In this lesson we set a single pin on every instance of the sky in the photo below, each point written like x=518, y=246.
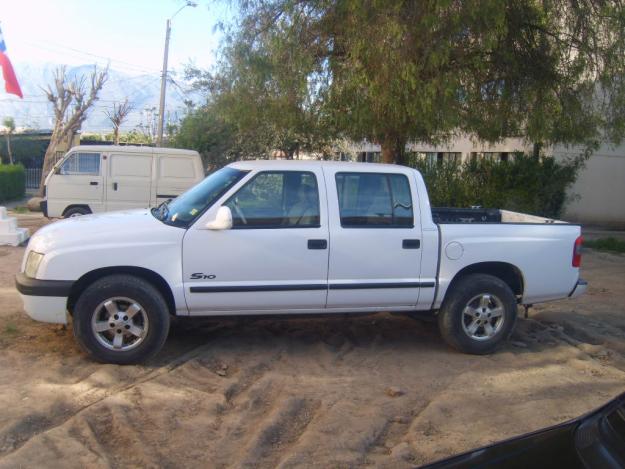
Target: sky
x=128, y=34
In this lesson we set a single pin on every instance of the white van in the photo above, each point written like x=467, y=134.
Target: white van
x=103, y=178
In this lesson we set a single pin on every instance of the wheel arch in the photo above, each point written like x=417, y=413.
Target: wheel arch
x=146, y=274
x=508, y=273
x=71, y=206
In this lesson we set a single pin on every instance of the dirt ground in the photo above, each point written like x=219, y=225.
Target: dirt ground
x=378, y=390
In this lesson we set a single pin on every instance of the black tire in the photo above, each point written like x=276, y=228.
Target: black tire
x=140, y=292
x=76, y=212
x=472, y=290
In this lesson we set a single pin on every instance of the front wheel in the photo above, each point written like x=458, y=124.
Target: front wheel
x=478, y=315
x=121, y=319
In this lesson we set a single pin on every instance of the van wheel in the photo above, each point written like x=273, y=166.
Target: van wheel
x=76, y=212
x=478, y=315
x=121, y=319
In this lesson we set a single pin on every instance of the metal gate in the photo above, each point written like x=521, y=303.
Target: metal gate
x=33, y=176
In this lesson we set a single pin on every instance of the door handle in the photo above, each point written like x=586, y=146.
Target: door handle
x=317, y=244
x=411, y=244
x=114, y=186
x=93, y=183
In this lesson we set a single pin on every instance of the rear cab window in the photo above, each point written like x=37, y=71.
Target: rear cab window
x=374, y=200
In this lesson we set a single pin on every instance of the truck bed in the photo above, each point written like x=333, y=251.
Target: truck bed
x=449, y=215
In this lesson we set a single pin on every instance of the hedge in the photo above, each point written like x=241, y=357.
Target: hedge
x=525, y=184
x=12, y=182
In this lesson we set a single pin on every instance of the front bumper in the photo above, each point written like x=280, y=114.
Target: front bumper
x=44, y=300
x=579, y=289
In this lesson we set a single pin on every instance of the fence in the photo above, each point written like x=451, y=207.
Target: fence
x=33, y=176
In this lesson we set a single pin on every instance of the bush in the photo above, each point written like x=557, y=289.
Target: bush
x=606, y=244
x=12, y=182
x=525, y=184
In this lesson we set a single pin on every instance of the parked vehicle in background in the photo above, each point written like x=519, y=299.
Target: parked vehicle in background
x=103, y=178
x=295, y=237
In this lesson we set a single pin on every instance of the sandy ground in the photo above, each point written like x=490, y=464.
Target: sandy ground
x=377, y=390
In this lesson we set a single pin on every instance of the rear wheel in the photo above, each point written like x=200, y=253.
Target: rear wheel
x=121, y=319
x=478, y=315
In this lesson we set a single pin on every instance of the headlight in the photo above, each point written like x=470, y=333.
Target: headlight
x=32, y=264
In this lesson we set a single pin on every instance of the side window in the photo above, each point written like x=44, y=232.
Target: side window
x=82, y=163
x=374, y=200
x=277, y=199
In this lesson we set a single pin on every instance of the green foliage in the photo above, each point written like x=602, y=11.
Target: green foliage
x=29, y=149
x=397, y=71
x=606, y=244
x=206, y=131
x=525, y=184
x=12, y=182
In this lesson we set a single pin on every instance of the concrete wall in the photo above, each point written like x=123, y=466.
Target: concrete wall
x=598, y=195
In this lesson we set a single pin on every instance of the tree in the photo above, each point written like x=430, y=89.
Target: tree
x=266, y=96
x=117, y=116
x=9, y=125
x=71, y=101
x=397, y=71
x=205, y=130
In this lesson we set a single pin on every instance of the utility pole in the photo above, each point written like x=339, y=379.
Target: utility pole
x=161, y=109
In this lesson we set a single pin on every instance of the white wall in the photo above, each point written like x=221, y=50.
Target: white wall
x=598, y=195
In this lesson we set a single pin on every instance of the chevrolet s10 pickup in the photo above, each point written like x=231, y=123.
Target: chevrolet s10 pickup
x=295, y=238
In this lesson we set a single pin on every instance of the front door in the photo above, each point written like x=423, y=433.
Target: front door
x=129, y=181
x=275, y=257
x=375, y=249
x=79, y=181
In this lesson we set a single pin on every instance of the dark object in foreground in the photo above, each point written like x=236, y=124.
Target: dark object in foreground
x=595, y=440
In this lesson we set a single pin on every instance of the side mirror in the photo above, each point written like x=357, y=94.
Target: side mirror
x=222, y=221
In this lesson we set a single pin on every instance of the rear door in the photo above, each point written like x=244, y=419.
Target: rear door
x=129, y=181
x=174, y=175
x=375, y=239
x=78, y=182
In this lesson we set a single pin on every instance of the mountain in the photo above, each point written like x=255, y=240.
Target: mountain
x=34, y=111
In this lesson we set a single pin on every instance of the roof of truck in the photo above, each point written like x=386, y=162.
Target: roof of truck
x=133, y=149
x=302, y=164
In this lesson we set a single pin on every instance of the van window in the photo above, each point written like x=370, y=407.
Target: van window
x=176, y=167
x=131, y=165
x=82, y=163
x=374, y=200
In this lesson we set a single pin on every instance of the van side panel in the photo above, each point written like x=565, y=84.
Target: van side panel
x=129, y=181
x=174, y=175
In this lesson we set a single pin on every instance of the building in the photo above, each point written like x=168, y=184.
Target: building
x=596, y=198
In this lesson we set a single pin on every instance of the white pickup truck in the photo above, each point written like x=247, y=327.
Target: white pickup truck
x=295, y=237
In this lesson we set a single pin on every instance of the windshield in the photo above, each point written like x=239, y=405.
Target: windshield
x=183, y=210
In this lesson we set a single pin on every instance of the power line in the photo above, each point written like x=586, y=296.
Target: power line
x=52, y=47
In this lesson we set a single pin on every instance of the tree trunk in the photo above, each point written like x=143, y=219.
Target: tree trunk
x=536, y=150
x=116, y=135
x=48, y=162
x=9, y=149
x=393, y=150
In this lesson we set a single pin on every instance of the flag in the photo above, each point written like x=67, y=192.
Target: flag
x=10, y=80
